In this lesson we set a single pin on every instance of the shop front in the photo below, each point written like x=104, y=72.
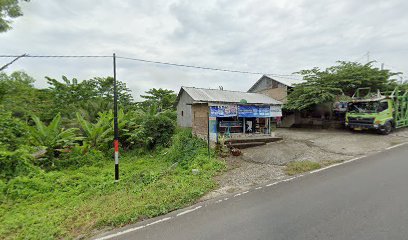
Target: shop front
x=242, y=120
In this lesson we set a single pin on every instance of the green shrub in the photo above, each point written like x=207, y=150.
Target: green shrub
x=2, y=191
x=155, y=131
x=170, y=114
x=12, y=131
x=23, y=187
x=16, y=163
x=186, y=147
x=129, y=135
x=78, y=157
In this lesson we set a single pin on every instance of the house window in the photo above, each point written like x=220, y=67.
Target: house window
x=182, y=113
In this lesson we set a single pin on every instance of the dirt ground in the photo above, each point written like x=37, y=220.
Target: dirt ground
x=263, y=164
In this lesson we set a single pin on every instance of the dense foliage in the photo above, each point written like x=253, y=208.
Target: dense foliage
x=56, y=178
x=158, y=99
x=72, y=203
x=9, y=9
x=322, y=86
x=72, y=116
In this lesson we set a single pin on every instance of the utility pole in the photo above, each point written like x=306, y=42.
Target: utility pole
x=208, y=133
x=382, y=66
x=115, y=121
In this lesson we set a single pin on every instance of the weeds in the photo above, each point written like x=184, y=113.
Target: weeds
x=294, y=168
x=72, y=203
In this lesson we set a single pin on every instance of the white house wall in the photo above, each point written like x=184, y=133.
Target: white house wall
x=184, y=114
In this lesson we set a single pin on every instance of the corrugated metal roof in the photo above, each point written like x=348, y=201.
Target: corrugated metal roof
x=216, y=95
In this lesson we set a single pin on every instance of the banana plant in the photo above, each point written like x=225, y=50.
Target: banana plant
x=53, y=138
x=96, y=135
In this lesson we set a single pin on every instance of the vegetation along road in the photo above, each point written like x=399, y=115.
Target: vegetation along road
x=363, y=199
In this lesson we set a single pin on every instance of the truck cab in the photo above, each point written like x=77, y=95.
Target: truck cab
x=375, y=113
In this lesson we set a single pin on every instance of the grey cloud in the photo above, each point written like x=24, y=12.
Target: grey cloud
x=254, y=35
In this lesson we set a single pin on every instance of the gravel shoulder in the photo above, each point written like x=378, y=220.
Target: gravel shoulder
x=263, y=164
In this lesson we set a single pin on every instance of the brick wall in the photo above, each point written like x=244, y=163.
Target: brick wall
x=200, y=120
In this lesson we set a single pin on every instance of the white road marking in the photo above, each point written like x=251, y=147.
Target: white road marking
x=158, y=221
x=337, y=164
x=245, y=192
x=288, y=179
x=189, y=211
x=388, y=148
x=271, y=184
x=225, y=199
x=258, y=188
x=353, y=159
x=238, y=194
x=132, y=229
x=120, y=233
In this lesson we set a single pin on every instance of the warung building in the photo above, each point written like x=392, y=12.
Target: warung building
x=233, y=114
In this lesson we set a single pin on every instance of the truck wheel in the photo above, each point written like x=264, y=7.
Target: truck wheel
x=386, y=129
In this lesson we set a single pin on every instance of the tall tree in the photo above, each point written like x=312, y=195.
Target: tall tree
x=322, y=86
x=162, y=99
x=104, y=89
x=71, y=95
x=18, y=95
x=9, y=9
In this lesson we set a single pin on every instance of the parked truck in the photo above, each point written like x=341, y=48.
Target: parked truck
x=382, y=112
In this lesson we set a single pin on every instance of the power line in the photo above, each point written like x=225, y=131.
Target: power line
x=286, y=76
x=57, y=56
x=8, y=64
x=204, y=68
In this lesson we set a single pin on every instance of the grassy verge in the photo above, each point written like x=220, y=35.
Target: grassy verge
x=294, y=168
x=73, y=203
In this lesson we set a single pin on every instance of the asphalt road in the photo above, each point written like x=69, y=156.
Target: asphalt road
x=364, y=199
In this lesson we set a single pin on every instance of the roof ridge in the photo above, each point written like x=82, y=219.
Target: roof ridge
x=220, y=90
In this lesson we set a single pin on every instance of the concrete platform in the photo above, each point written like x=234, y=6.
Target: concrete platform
x=251, y=141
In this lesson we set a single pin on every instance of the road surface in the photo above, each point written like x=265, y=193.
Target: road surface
x=364, y=199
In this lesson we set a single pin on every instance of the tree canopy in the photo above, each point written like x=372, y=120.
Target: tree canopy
x=19, y=96
x=9, y=9
x=159, y=99
x=322, y=86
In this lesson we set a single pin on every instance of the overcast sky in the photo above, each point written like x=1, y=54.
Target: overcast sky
x=251, y=35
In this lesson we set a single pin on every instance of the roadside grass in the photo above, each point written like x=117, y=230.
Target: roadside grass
x=329, y=162
x=72, y=204
x=298, y=167
x=294, y=168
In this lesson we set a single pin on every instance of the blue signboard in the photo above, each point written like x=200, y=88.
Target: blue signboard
x=227, y=110
x=254, y=111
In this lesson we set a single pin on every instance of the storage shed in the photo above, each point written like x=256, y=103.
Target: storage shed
x=235, y=114
x=275, y=87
